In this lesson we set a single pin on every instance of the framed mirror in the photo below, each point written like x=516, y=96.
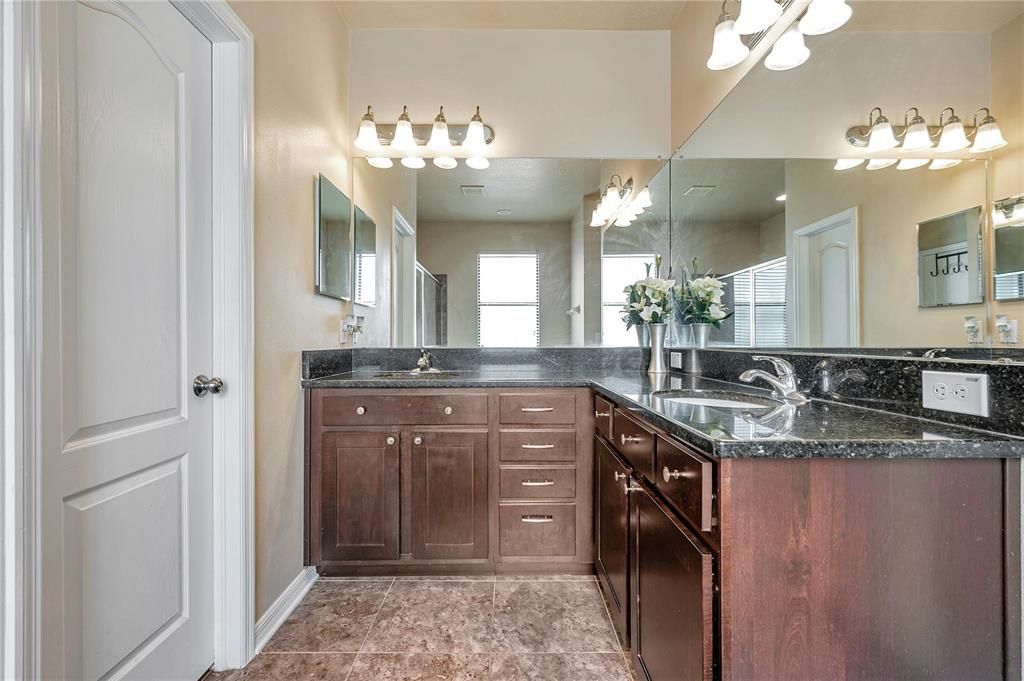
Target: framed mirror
x=949, y=259
x=333, y=241
x=365, y=260
x=1008, y=220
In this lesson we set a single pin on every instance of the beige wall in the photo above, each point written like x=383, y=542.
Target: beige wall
x=722, y=247
x=452, y=248
x=772, y=237
x=301, y=130
x=891, y=203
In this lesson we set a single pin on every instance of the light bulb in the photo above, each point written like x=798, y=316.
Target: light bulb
x=881, y=136
x=478, y=162
x=413, y=162
x=596, y=220
x=445, y=162
x=727, y=50
x=367, y=139
x=382, y=162
x=403, y=140
x=757, y=15
x=847, y=163
x=953, y=137
x=788, y=52
x=988, y=136
x=439, y=140
x=475, y=144
x=943, y=163
x=879, y=163
x=643, y=199
x=911, y=163
x=825, y=16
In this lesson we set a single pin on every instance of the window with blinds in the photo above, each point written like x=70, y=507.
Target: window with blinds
x=758, y=297
x=1010, y=286
x=508, y=300
x=618, y=272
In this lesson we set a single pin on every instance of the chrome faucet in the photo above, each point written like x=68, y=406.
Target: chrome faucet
x=784, y=384
x=934, y=353
x=426, y=362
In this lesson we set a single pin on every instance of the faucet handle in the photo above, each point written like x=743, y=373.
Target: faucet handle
x=782, y=367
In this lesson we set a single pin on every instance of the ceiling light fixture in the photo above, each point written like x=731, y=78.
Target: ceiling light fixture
x=847, y=163
x=414, y=142
x=403, y=140
x=757, y=15
x=367, y=138
x=727, y=48
x=825, y=16
x=987, y=136
x=788, y=52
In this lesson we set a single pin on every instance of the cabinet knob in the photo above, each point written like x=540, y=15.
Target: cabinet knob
x=360, y=410
x=630, y=439
x=619, y=476
x=630, y=487
x=391, y=440
x=417, y=440
x=601, y=414
x=448, y=411
x=670, y=475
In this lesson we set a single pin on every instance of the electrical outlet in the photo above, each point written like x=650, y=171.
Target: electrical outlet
x=675, y=360
x=955, y=392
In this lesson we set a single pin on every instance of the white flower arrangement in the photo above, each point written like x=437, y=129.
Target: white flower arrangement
x=649, y=300
x=700, y=299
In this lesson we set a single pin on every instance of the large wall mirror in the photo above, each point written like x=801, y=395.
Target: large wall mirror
x=1008, y=220
x=333, y=241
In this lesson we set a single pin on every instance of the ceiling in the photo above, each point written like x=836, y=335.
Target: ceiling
x=744, y=190
x=618, y=15
x=534, y=190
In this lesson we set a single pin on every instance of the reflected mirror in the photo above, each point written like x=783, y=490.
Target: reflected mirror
x=1008, y=220
x=949, y=261
x=333, y=241
x=365, y=259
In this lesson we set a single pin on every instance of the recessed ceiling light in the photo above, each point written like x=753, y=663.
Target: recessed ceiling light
x=504, y=211
x=699, y=190
x=780, y=197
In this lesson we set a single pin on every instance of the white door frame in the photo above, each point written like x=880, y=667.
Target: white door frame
x=401, y=229
x=20, y=361
x=795, y=249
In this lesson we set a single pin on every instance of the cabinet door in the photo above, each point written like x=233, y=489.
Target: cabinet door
x=672, y=620
x=449, y=494
x=611, y=520
x=360, y=495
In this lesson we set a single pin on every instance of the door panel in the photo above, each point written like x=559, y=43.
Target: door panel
x=449, y=494
x=360, y=496
x=672, y=618
x=127, y=567
x=611, y=505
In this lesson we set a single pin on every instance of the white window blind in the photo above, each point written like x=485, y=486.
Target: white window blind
x=508, y=300
x=618, y=272
x=1010, y=286
x=758, y=297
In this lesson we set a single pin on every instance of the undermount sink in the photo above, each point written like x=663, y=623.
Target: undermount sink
x=717, y=399
x=416, y=374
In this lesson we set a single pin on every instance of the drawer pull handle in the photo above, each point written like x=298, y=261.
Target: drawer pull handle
x=669, y=475
x=417, y=440
x=601, y=414
x=360, y=410
x=630, y=439
x=537, y=483
x=448, y=411
x=538, y=518
x=630, y=487
x=619, y=476
x=536, y=409
x=391, y=440
x=537, y=446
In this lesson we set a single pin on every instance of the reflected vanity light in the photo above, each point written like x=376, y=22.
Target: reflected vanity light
x=825, y=16
x=757, y=15
x=414, y=142
x=879, y=163
x=619, y=205
x=847, y=163
x=780, y=198
x=445, y=162
x=478, y=162
x=911, y=163
x=943, y=163
x=788, y=52
x=413, y=162
x=727, y=48
x=382, y=162
x=1008, y=212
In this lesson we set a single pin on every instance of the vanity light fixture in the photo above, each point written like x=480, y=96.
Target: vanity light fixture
x=788, y=52
x=727, y=48
x=781, y=198
x=413, y=142
x=413, y=162
x=478, y=162
x=445, y=162
x=943, y=163
x=879, y=163
x=367, y=139
x=475, y=144
x=881, y=136
x=952, y=137
x=847, y=163
x=824, y=16
x=757, y=15
x=911, y=163
x=643, y=199
x=439, y=141
x=404, y=140
x=619, y=205
x=987, y=136
x=916, y=137
x=1008, y=211
x=382, y=162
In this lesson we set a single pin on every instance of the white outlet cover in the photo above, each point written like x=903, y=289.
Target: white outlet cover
x=955, y=392
x=675, y=360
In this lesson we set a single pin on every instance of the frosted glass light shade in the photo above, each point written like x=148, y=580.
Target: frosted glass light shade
x=382, y=162
x=825, y=16
x=911, y=163
x=727, y=50
x=367, y=139
x=953, y=137
x=847, y=163
x=643, y=199
x=439, y=141
x=413, y=162
x=612, y=199
x=403, y=140
x=988, y=138
x=788, y=52
x=757, y=15
x=624, y=220
x=475, y=144
x=445, y=162
x=881, y=136
x=478, y=162
x=879, y=163
x=596, y=220
x=943, y=163
x=917, y=138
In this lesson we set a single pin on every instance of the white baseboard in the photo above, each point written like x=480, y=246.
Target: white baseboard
x=278, y=612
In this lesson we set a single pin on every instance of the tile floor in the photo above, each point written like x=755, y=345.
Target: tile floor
x=444, y=628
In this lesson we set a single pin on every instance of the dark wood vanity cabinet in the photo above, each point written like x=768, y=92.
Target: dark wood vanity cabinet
x=612, y=532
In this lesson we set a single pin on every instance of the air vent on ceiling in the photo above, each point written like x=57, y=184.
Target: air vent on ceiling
x=699, y=190
x=472, y=189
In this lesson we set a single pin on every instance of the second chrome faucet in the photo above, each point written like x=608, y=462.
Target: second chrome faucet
x=783, y=381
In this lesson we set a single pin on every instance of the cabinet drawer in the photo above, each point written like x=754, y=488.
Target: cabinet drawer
x=684, y=477
x=537, y=483
x=537, y=529
x=537, y=444
x=537, y=408
x=635, y=442
x=409, y=408
x=603, y=410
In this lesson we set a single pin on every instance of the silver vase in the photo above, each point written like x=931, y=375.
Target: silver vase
x=643, y=337
x=657, y=364
x=701, y=334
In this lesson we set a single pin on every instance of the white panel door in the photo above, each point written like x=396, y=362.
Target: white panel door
x=127, y=564
x=825, y=281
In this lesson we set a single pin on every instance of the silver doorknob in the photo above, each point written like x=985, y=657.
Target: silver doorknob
x=202, y=385
x=417, y=440
x=391, y=440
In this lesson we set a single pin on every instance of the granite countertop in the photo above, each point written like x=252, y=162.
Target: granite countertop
x=819, y=428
